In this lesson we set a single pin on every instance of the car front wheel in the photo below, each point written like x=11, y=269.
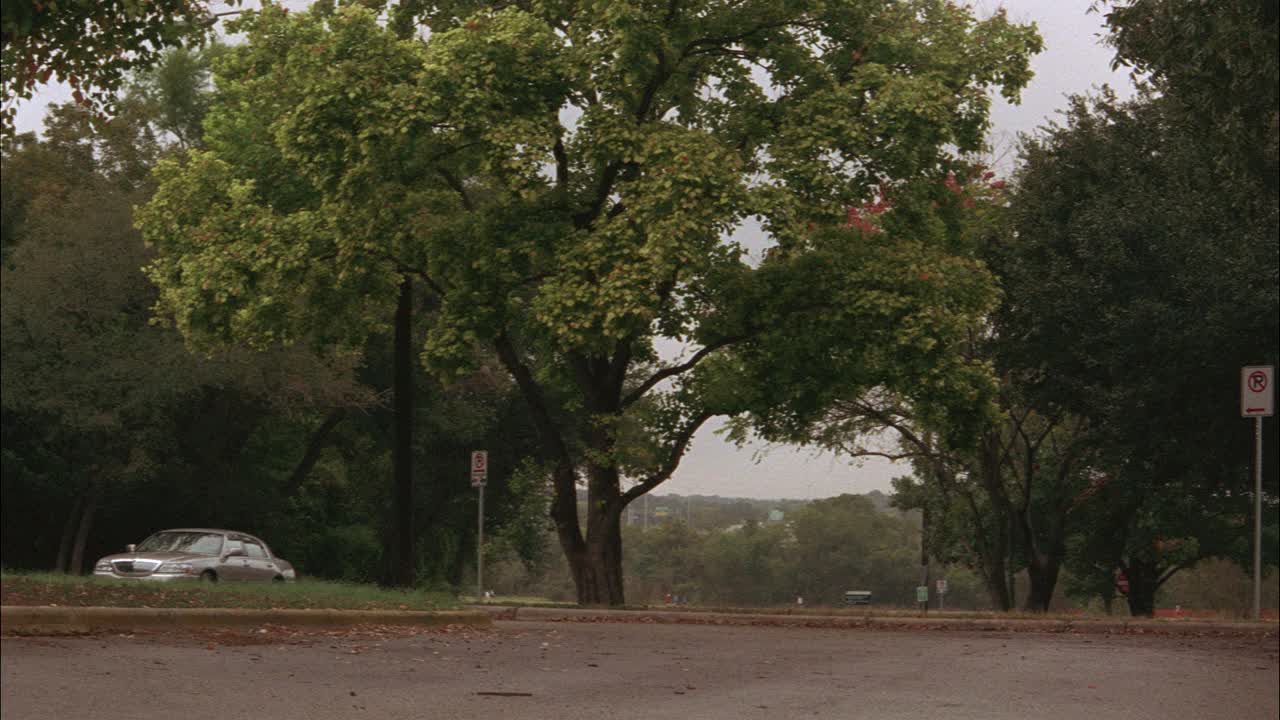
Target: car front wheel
x=208, y=576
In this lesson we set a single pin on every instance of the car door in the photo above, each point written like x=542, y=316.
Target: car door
x=234, y=567
x=258, y=563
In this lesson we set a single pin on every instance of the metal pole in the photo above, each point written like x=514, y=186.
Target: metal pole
x=924, y=556
x=480, y=546
x=1257, y=518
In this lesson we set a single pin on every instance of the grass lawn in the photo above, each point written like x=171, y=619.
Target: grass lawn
x=77, y=591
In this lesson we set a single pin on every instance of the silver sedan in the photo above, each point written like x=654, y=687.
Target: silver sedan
x=196, y=554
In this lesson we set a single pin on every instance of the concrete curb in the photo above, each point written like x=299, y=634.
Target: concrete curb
x=35, y=620
x=1083, y=626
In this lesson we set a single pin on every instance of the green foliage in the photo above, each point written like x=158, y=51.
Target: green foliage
x=524, y=532
x=1142, y=293
x=1216, y=63
x=175, y=92
x=744, y=567
x=92, y=45
x=819, y=551
x=844, y=543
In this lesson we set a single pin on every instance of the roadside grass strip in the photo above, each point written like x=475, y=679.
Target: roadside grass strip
x=54, y=590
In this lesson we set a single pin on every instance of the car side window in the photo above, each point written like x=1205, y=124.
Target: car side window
x=231, y=545
x=255, y=551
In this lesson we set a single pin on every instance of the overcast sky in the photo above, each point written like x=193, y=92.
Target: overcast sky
x=1074, y=61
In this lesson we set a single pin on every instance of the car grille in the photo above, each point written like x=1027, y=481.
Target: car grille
x=136, y=567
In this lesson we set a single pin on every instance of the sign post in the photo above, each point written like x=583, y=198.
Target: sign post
x=942, y=591
x=479, y=476
x=1257, y=400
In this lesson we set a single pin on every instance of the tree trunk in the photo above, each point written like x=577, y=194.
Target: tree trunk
x=596, y=562
x=597, y=565
x=92, y=498
x=69, y=534
x=996, y=571
x=991, y=566
x=594, y=557
x=999, y=583
x=1043, y=576
x=402, y=448
x=1144, y=580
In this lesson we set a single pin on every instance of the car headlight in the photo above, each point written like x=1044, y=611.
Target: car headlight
x=176, y=568
x=102, y=566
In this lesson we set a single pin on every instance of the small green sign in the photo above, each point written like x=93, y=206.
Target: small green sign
x=922, y=593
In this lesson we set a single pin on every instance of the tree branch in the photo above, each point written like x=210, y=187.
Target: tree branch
x=885, y=455
x=725, y=40
x=604, y=189
x=562, y=162
x=678, y=447
x=453, y=182
x=405, y=269
x=315, y=445
x=899, y=424
x=1171, y=572
x=683, y=367
x=534, y=398
x=660, y=76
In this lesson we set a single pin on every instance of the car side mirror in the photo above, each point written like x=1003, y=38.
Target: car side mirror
x=235, y=553
x=130, y=547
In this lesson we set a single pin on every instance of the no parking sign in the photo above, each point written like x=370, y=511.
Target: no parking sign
x=1257, y=391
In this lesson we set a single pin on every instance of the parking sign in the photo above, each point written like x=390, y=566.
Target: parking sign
x=479, y=467
x=1257, y=391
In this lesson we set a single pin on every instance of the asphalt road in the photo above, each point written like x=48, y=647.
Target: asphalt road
x=622, y=671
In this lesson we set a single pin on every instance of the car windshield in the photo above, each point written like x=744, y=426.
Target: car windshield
x=189, y=542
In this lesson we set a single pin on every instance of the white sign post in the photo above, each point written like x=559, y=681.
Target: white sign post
x=942, y=592
x=479, y=476
x=1257, y=400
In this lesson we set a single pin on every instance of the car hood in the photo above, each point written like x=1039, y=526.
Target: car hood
x=156, y=556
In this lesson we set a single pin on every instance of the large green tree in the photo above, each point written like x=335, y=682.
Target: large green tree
x=1133, y=301
x=564, y=178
